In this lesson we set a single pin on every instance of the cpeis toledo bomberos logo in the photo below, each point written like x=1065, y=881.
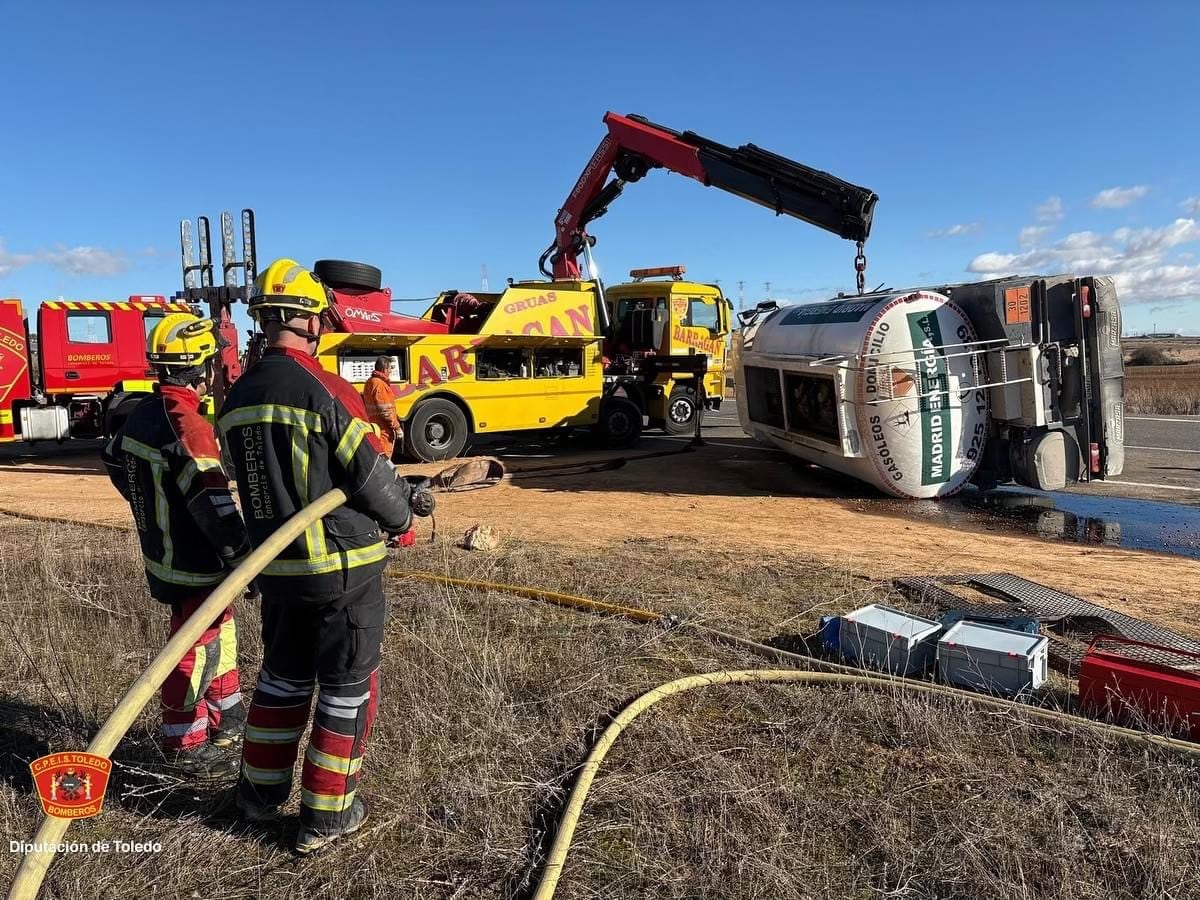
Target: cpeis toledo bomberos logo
x=71, y=785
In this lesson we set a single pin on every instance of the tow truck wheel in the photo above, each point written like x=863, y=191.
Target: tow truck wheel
x=682, y=410
x=436, y=430
x=339, y=273
x=620, y=422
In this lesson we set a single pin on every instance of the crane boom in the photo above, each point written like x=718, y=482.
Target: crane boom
x=634, y=145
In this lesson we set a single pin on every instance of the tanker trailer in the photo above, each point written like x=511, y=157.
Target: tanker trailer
x=920, y=392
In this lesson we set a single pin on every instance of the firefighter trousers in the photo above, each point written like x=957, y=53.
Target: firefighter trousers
x=202, y=694
x=330, y=645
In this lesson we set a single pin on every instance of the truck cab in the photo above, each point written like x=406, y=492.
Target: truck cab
x=658, y=314
x=81, y=371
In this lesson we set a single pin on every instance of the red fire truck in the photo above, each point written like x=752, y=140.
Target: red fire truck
x=81, y=372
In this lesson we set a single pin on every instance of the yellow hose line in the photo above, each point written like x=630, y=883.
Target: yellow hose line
x=557, y=857
x=834, y=675
x=34, y=865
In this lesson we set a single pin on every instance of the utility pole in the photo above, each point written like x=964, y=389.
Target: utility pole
x=483, y=277
x=768, y=286
x=741, y=296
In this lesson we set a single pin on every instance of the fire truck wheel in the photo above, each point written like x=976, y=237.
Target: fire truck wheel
x=437, y=429
x=620, y=422
x=339, y=273
x=682, y=410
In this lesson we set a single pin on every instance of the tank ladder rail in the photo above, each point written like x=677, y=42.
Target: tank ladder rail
x=883, y=365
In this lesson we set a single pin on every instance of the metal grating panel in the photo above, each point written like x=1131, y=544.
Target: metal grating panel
x=1046, y=601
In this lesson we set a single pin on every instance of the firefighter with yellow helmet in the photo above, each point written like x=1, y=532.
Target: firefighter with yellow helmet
x=296, y=432
x=166, y=463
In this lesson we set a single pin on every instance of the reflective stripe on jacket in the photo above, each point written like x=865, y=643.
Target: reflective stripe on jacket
x=166, y=463
x=295, y=432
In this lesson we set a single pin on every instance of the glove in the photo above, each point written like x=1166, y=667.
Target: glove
x=422, y=503
x=420, y=498
x=252, y=591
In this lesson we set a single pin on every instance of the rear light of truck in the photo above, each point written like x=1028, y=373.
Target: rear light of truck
x=1094, y=452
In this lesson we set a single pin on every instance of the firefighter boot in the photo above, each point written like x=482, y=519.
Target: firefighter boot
x=204, y=761
x=233, y=723
x=253, y=811
x=310, y=839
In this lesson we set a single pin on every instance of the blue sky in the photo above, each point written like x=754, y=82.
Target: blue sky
x=432, y=140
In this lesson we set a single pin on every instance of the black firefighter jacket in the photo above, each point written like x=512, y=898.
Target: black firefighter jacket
x=295, y=432
x=165, y=462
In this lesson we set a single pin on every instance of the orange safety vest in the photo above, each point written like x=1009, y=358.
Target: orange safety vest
x=380, y=401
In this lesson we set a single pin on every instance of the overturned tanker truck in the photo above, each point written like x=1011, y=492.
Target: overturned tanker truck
x=921, y=392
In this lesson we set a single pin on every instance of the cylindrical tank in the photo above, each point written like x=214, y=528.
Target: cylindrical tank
x=884, y=388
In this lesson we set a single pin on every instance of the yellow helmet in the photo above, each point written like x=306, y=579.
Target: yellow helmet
x=287, y=285
x=182, y=340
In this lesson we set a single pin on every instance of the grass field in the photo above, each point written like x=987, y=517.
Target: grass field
x=1162, y=390
x=490, y=701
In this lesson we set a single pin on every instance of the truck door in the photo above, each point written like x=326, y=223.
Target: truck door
x=78, y=350
x=702, y=330
x=14, y=364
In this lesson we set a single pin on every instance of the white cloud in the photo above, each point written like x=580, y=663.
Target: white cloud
x=1191, y=206
x=954, y=230
x=86, y=260
x=1049, y=210
x=10, y=262
x=1117, y=197
x=1137, y=257
x=1031, y=234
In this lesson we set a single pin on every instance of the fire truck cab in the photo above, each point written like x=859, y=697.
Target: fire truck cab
x=81, y=371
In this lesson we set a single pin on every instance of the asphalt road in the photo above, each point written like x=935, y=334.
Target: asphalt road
x=1162, y=458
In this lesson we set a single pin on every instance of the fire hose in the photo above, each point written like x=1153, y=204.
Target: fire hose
x=834, y=675
x=34, y=865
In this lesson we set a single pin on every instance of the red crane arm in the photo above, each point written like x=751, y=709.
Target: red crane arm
x=634, y=145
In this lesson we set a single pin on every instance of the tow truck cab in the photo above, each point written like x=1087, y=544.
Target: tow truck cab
x=656, y=315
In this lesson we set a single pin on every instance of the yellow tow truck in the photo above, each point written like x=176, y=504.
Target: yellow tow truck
x=658, y=315
x=529, y=358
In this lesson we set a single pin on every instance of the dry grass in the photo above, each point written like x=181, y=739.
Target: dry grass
x=1162, y=395
x=489, y=701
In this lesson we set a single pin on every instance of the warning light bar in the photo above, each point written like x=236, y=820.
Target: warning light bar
x=676, y=272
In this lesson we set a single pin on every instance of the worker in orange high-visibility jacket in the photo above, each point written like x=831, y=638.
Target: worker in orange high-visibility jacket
x=297, y=432
x=380, y=400
x=165, y=461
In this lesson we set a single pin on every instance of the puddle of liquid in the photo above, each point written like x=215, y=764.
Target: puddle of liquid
x=1091, y=519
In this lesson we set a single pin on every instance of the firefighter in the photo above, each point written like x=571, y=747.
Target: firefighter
x=296, y=432
x=380, y=401
x=165, y=462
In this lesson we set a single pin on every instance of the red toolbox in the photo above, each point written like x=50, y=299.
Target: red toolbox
x=1143, y=684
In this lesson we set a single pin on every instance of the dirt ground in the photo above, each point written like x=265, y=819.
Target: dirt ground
x=727, y=497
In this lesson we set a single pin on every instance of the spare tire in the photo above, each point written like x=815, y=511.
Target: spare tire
x=339, y=273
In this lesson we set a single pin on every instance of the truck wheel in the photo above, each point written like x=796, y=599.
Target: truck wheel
x=682, y=410
x=437, y=429
x=339, y=273
x=620, y=422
